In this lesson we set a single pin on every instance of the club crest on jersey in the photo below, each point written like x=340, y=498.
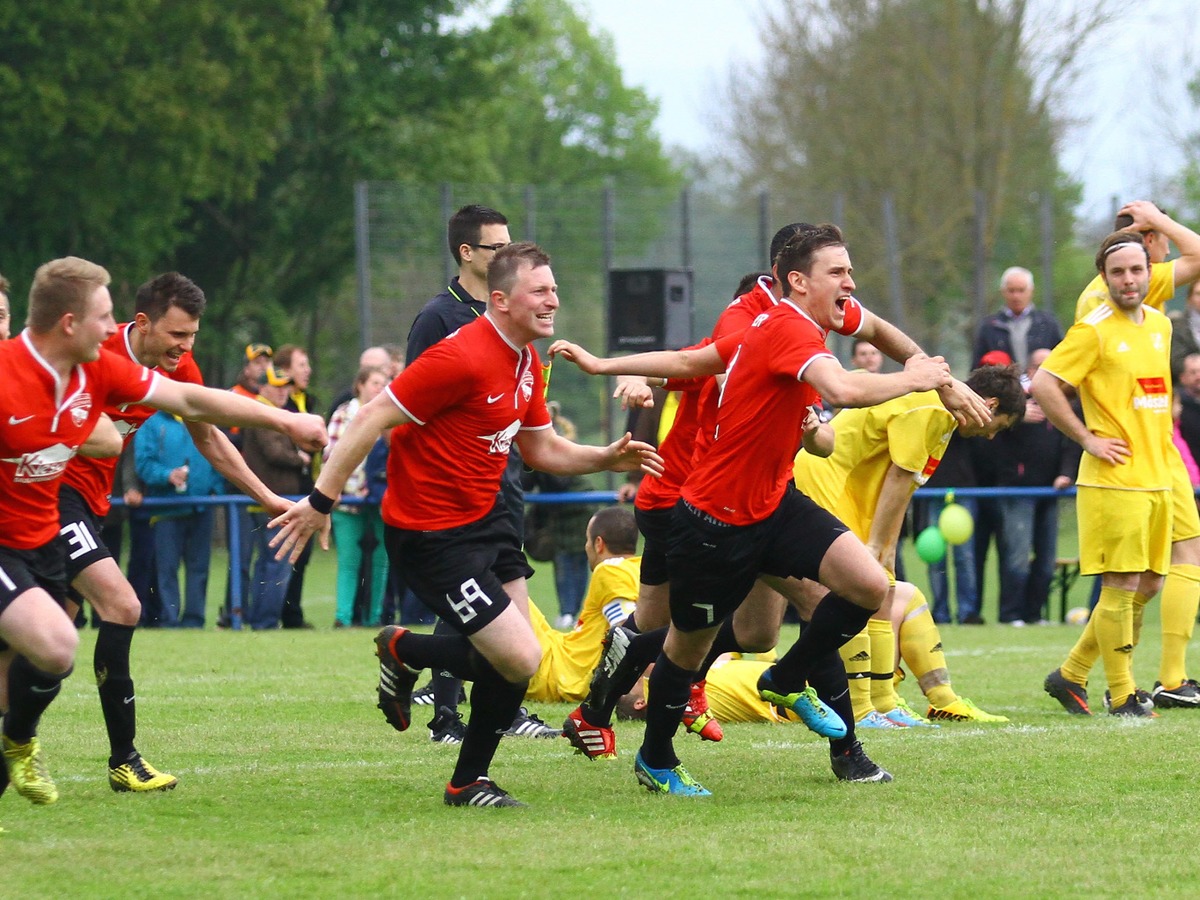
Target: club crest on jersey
x=525, y=386
x=80, y=407
x=42, y=465
x=501, y=441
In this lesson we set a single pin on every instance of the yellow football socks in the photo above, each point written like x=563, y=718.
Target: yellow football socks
x=921, y=650
x=1180, y=600
x=856, y=654
x=1113, y=616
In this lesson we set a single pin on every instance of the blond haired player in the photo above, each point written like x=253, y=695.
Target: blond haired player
x=1117, y=358
x=1181, y=589
x=881, y=455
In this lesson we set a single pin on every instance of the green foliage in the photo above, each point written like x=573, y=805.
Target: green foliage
x=934, y=102
x=118, y=115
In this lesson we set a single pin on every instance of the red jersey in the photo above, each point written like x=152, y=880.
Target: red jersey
x=676, y=448
x=468, y=395
x=43, y=422
x=93, y=478
x=743, y=472
x=738, y=316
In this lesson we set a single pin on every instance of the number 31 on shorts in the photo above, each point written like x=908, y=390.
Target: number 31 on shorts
x=470, y=593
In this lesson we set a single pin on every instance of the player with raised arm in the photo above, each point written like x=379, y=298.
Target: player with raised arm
x=160, y=336
x=59, y=381
x=740, y=517
x=459, y=407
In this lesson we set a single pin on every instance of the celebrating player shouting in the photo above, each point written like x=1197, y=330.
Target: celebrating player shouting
x=739, y=516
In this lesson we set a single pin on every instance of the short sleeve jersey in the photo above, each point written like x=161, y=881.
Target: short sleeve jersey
x=1123, y=374
x=736, y=318
x=733, y=695
x=43, y=423
x=677, y=448
x=740, y=476
x=468, y=396
x=565, y=672
x=1162, y=288
x=911, y=432
x=93, y=478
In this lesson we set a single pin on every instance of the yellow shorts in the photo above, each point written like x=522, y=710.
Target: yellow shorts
x=1185, y=520
x=1124, y=531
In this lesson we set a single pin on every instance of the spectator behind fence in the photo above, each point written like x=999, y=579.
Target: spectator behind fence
x=256, y=358
x=1185, y=331
x=280, y=465
x=352, y=524
x=560, y=527
x=169, y=465
x=1019, y=328
x=1188, y=395
x=292, y=362
x=1034, y=454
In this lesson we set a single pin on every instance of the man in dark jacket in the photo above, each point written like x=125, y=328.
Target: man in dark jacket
x=1019, y=328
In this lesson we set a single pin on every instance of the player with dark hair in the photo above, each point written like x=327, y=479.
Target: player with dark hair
x=1181, y=588
x=463, y=402
x=59, y=380
x=739, y=516
x=1117, y=357
x=160, y=337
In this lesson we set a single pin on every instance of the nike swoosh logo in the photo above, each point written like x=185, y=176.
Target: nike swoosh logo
x=128, y=700
x=13, y=420
x=489, y=399
x=42, y=690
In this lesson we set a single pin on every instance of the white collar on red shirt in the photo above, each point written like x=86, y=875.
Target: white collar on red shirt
x=60, y=386
x=518, y=350
x=786, y=302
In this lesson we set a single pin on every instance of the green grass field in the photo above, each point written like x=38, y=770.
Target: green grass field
x=292, y=785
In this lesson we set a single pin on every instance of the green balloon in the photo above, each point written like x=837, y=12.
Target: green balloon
x=931, y=546
x=956, y=524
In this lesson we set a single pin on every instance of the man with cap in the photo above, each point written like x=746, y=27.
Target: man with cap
x=281, y=466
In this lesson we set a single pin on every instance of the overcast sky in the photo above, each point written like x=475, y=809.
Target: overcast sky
x=679, y=50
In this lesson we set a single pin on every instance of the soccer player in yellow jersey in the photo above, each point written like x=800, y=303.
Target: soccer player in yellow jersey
x=1181, y=589
x=1117, y=358
x=881, y=455
x=569, y=658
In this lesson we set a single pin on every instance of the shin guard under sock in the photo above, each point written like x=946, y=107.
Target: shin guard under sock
x=110, y=663
x=670, y=688
x=30, y=691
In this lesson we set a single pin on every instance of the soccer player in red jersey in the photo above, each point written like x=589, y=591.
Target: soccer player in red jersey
x=739, y=516
x=160, y=337
x=458, y=408
x=57, y=383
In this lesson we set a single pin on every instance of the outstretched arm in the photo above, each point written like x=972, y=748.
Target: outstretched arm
x=960, y=401
x=205, y=404
x=216, y=447
x=658, y=363
x=547, y=451
x=298, y=524
x=855, y=389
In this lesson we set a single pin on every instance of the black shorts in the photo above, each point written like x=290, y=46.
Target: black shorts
x=714, y=564
x=80, y=532
x=655, y=526
x=22, y=570
x=460, y=573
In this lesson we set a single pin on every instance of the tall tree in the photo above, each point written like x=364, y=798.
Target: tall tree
x=946, y=106
x=116, y=115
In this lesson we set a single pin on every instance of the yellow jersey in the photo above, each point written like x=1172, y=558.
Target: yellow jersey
x=732, y=690
x=568, y=658
x=1122, y=371
x=910, y=431
x=1162, y=289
